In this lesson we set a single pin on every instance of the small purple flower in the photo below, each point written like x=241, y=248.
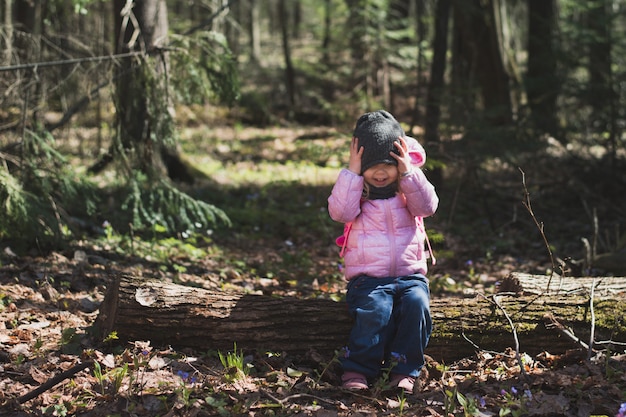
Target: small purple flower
x=482, y=402
x=513, y=390
x=503, y=392
x=346, y=352
x=398, y=357
x=186, y=377
x=528, y=394
x=145, y=352
x=622, y=411
x=469, y=262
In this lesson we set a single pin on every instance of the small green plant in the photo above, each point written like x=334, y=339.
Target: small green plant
x=37, y=346
x=382, y=383
x=97, y=372
x=57, y=410
x=117, y=377
x=111, y=337
x=471, y=405
x=19, y=359
x=234, y=364
x=70, y=341
x=219, y=404
x=335, y=359
x=401, y=402
x=113, y=379
x=185, y=388
x=4, y=301
x=13, y=323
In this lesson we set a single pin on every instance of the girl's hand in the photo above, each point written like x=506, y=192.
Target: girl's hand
x=404, y=158
x=356, y=153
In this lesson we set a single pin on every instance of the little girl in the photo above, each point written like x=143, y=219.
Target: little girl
x=382, y=197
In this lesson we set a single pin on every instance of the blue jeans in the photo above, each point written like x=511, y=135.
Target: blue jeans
x=392, y=324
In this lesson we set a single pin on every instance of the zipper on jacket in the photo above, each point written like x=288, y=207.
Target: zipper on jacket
x=392, y=239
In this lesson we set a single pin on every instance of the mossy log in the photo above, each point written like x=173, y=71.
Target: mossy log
x=183, y=316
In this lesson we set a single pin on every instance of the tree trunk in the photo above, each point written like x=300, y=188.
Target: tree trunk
x=254, y=31
x=437, y=72
x=479, y=62
x=139, y=29
x=143, y=107
x=289, y=69
x=420, y=33
x=360, y=50
x=181, y=316
x=542, y=84
x=599, y=47
x=328, y=8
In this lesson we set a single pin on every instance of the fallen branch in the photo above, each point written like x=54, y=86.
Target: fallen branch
x=54, y=381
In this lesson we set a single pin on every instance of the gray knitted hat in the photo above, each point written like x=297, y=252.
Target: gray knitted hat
x=377, y=131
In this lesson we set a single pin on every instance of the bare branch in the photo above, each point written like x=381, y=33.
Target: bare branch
x=54, y=381
x=527, y=204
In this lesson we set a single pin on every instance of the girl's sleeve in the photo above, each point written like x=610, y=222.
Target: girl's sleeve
x=416, y=151
x=344, y=203
x=422, y=200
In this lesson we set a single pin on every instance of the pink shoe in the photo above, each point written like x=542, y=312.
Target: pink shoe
x=403, y=382
x=354, y=381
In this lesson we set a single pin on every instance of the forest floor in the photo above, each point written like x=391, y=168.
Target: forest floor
x=49, y=303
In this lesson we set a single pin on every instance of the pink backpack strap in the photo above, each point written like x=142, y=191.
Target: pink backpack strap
x=343, y=239
x=420, y=225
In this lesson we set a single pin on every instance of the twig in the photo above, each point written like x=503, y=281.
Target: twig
x=54, y=381
x=296, y=396
x=551, y=320
x=593, y=321
x=493, y=352
x=609, y=342
x=495, y=300
x=36, y=65
x=526, y=203
x=208, y=21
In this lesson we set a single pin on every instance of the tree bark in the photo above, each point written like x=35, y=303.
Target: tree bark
x=600, y=63
x=144, y=111
x=542, y=82
x=289, y=69
x=182, y=316
x=437, y=72
x=254, y=31
x=8, y=24
x=478, y=63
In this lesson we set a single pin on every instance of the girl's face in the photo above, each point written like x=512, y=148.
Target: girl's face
x=381, y=175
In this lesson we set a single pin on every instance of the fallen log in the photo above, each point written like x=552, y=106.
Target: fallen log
x=602, y=287
x=183, y=316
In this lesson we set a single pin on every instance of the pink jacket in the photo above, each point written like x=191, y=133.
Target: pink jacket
x=386, y=238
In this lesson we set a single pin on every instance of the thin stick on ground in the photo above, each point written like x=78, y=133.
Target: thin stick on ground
x=552, y=321
x=592, y=334
x=495, y=300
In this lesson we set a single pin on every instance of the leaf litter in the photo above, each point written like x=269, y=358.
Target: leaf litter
x=45, y=331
